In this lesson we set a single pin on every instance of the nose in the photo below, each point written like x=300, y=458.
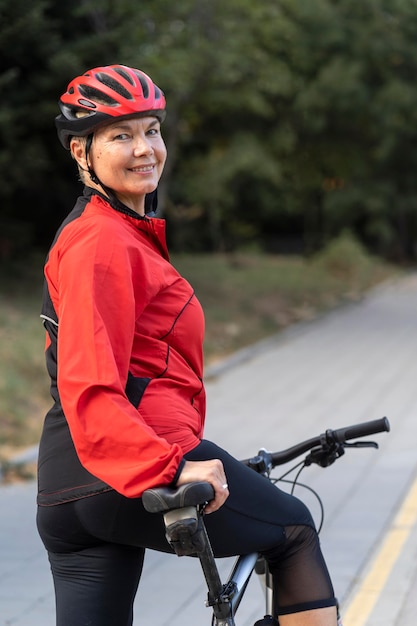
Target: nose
x=142, y=146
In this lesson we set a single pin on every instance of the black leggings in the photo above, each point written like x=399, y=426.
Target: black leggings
x=96, y=546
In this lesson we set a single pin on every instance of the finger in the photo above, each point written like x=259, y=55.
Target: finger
x=221, y=493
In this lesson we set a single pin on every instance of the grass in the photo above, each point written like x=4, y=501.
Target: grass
x=246, y=297
x=23, y=381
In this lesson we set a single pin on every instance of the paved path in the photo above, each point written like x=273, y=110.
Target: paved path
x=356, y=364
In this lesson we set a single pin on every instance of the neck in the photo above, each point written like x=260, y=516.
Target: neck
x=134, y=204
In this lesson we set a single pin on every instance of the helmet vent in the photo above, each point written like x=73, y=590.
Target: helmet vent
x=97, y=96
x=124, y=75
x=144, y=85
x=113, y=84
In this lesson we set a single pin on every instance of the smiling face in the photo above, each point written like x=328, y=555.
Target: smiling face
x=128, y=157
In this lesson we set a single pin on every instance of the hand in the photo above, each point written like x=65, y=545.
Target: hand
x=210, y=471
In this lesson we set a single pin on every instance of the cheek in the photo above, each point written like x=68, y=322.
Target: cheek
x=106, y=160
x=96, y=157
x=163, y=156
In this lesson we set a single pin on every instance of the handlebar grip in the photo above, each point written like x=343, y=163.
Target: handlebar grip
x=364, y=429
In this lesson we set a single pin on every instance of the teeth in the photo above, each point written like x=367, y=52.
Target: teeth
x=147, y=168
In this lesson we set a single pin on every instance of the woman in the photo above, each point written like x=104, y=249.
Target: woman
x=124, y=354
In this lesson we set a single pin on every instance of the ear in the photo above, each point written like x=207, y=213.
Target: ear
x=77, y=148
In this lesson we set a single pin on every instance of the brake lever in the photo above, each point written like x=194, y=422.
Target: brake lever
x=362, y=444
x=327, y=455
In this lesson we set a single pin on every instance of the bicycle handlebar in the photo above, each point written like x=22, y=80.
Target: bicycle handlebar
x=330, y=445
x=338, y=436
x=341, y=435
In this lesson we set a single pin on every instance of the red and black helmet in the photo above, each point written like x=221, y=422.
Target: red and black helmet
x=103, y=94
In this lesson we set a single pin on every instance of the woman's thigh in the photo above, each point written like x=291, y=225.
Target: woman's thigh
x=256, y=513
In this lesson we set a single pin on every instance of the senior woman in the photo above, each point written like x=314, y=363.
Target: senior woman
x=124, y=337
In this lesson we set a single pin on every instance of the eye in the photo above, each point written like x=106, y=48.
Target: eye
x=121, y=137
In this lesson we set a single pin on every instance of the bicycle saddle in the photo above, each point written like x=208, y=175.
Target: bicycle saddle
x=162, y=499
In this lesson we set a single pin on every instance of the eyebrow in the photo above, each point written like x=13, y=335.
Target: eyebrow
x=125, y=124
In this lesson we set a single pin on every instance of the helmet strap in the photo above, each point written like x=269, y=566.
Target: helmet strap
x=92, y=173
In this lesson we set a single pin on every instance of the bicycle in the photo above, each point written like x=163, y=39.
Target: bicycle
x=183, y=511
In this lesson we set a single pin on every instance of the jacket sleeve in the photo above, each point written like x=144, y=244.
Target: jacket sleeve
x=97, y=309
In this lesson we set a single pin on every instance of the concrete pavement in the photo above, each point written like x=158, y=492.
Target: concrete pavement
x=355, y=364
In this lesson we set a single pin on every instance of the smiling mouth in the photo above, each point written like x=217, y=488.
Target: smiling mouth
x=144, y=169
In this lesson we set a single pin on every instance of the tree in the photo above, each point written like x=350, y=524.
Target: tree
x=288, y=117
x=25, y=39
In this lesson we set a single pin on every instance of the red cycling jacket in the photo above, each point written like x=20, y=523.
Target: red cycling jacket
x=124, y=354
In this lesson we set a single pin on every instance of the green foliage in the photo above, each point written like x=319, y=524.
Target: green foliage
x=24, y=388
x=285, y=117
x=345, y=259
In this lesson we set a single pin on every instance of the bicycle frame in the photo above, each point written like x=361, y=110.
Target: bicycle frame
x=185, y=530
x=236, y=584
x=187, y=534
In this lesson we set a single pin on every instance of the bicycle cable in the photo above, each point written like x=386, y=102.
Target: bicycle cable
x=295, y=483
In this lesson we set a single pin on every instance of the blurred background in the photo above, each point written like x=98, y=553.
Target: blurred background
x=290, y=184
